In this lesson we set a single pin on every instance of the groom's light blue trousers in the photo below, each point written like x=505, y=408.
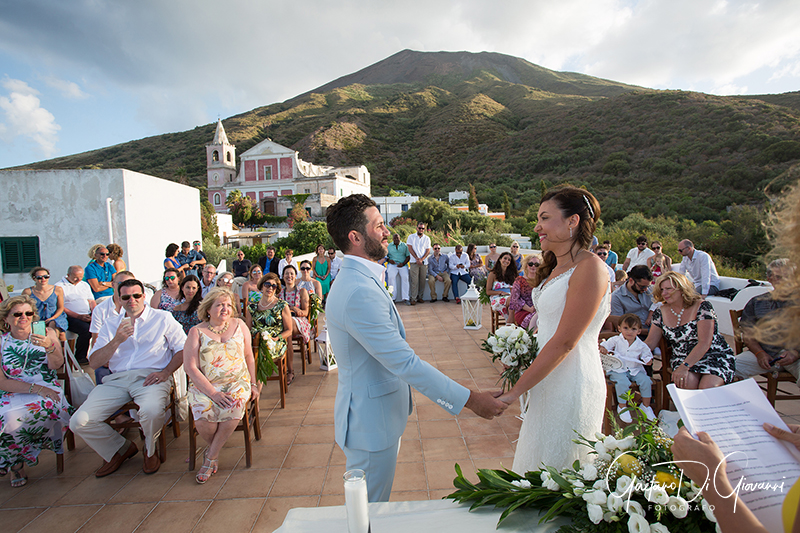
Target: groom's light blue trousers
x=379, y=468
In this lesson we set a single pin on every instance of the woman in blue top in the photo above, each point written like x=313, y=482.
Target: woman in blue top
x=49, y=300
x=100, y=272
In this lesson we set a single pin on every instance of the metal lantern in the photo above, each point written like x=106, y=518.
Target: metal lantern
x=471, y=307
x=327, y=361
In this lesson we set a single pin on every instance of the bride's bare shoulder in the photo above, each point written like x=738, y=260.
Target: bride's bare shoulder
x=588, y=265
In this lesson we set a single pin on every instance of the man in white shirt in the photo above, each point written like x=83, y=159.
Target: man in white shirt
x=286, y=261
x=638, y=255
x=459, y=270
x=336, y=263
x=419, y=246
x=143, y=347
x=78, y=305
x=699, y=267
x=209, y=279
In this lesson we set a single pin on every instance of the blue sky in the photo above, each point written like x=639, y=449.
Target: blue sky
x=85, y=74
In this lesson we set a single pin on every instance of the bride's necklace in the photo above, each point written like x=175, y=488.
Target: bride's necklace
x=677, y=315
x=221, y=330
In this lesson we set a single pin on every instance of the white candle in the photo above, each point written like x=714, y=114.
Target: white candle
x=355, y=501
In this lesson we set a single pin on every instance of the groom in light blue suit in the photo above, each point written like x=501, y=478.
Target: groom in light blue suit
x=376, y=365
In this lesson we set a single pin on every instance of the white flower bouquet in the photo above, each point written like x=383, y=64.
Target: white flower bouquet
x=632, y=486
x=515, y=348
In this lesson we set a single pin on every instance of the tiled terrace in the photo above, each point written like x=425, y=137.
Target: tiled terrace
x=296, y=463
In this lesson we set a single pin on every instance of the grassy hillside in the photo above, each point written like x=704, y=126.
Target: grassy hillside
x=430, y=122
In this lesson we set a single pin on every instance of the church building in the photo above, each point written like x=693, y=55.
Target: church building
x=270, y=172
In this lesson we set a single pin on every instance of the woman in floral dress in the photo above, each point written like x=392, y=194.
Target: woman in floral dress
x=33, y=411
x=218, y=358
x=297, y=299
x=187, y=312
x=499, y=282
x=521, y=294
x=268, y=315
x=170, y=294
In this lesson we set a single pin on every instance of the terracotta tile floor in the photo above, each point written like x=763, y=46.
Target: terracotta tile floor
x=295, y=464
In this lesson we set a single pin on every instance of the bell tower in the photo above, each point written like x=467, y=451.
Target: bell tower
x=220, y=167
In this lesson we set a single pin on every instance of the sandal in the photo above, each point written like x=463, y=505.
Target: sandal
x=289, y=378
x=18, y=480
x=208, y=469
x=3, y=472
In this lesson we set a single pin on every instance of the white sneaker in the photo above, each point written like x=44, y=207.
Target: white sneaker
x=649, y=412
x=626, y=416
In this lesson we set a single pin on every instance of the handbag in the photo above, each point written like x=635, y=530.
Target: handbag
x=80, y=383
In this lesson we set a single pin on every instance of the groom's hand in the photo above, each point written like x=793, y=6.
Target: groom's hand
x=484, y=404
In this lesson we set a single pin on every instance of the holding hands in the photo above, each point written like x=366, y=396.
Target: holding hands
x=486, y=404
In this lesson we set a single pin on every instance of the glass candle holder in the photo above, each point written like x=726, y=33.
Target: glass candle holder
x=355, y=501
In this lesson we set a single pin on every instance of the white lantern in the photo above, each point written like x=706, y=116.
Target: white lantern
x=471, y=307
x=327, y=361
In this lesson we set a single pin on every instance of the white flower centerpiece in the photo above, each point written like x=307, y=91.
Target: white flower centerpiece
x=632, y=486
x=515, y=348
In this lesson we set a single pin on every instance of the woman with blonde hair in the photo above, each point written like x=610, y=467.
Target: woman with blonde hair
x=115, y=253
x=218, y=358
x=701, y=358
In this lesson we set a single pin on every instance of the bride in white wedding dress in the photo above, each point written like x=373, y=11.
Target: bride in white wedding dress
x=566, y=381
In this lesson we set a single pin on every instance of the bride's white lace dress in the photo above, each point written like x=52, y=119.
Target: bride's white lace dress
x=572, y=397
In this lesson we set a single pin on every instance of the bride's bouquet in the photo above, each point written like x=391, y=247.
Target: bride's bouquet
x=515, y=348
x=632, y=485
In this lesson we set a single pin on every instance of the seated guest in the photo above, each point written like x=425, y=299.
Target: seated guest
x=459, y=270
x=268, y=315
x=110, y=308
x=701, y=358
x=336, y=263
x=521, y=302
x=634, y=296
x=186, y=313
x=198, y=259
x=142, y=347
x=225, y=281
x=33, y=411
x=492, y=257
x=115, y=253
x=306, y=282
x=699, y=267
x=516, y=255
x=761, y=357
x=439, y=270
x=634, y=353
x=476, y=269
x=499, y=283
x=241, y=266
x=49, y=300
x=287, y=260
x=297, y=300
x=639, y=255
x=253, y=275
x=269, y=263
x=99, y=273
x=218, y=358
x=78, y=306
x=658, y=263
x=602, y=252
x=209, y=279
x=620, y=277
x=172, y=262
x=170, y=293
x=612, y=258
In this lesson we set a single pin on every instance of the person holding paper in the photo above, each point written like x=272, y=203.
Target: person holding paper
x=701, y=358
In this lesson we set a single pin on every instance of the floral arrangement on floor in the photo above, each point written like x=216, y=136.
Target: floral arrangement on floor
x=515, y=348
x=632, y=486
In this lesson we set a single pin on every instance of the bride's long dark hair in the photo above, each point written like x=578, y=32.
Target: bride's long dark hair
x=571, y=201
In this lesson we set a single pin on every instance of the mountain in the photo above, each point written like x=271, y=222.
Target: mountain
x=428, y=122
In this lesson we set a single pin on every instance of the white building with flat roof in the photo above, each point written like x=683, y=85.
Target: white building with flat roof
x=392, y=207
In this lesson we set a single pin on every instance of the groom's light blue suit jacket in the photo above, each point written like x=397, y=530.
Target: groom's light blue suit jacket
x=376, y=364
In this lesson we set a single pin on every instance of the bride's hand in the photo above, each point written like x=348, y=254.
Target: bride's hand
x=507, y=398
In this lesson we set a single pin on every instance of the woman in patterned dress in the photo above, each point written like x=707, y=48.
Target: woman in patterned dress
x=253, y=275
x=701, y=358
x=33, y=411
x=268, y=315
x=170, y=294
x=218, y=358
x=186, y=313
x=297, y=299
x=499, y=282
x=306, y=282
x=521, y=302
x=476, y=268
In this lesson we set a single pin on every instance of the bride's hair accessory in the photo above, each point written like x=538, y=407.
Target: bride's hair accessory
x=589, y=206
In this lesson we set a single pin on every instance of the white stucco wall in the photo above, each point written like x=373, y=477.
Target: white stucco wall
x=66, y=209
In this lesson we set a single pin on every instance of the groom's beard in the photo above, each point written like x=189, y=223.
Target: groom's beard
x=374, y=248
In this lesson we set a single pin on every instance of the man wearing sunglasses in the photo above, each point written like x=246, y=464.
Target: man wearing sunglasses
x=336, y=263
x=99, y=273
x=634, y=297
x=142, y=347
x=699, y=267
x=639, y=255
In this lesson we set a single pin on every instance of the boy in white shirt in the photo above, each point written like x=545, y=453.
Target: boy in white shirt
x=634, y=354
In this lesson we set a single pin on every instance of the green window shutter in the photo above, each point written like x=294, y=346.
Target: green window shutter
x=20, y=254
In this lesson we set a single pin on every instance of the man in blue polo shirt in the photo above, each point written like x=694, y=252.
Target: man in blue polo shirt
x=99, y=273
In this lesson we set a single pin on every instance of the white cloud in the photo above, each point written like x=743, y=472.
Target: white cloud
x=26, y=118
x=69, y=89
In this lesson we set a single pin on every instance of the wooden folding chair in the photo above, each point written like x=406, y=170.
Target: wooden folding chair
x=498, y=320
x=249, y=424
x=280, y=362
x=773, y=379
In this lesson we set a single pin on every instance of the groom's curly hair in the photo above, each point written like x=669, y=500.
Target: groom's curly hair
x=347, y=215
